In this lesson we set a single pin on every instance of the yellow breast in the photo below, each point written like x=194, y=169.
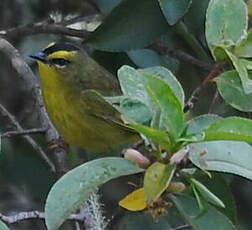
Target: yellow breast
x=67, y=111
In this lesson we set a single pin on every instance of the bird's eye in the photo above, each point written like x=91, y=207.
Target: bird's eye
x=59, y=62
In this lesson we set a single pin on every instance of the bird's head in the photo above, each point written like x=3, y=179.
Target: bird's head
x=62, y=59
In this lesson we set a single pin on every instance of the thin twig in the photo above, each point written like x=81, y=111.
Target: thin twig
x=39, y=28
x=35, y=215
x=195, y=94
x=181, y=55
x=77, y=225
x=215, y=97
x=4, y=112
x=79, y=18
x=180, y=227
x=32, y=86
x=15, y=133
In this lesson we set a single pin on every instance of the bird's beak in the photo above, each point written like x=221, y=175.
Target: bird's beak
x=40, y=56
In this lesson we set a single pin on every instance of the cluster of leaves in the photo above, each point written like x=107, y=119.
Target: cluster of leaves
x=228, y=40
x=212, y=142
x=153, y=102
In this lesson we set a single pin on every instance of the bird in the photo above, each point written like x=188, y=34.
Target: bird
x=73, y=87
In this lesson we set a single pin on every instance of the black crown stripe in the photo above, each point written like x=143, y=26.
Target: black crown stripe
x=60, y=46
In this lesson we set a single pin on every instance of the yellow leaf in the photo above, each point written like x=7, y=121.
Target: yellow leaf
x=135, y=201
x=156, y=179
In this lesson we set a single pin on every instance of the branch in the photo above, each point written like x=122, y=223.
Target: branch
x=31, y=84
x=182, y=56
x=180, y=227
x=195, y=95
x=36, y=215
x=4, y=112
x=215, y=98
x=15, y=133
x=43, y=27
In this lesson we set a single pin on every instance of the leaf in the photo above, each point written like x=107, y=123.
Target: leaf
x=195, y=17
x=171, y=116
x=218, y=185
x=107, y=5
x=198, y=124
x=242, y=71
x=223, y=156
x=187, y=206
x=221, y=28
x=174, y=10
x=230, y=128
x=200, y=201
x=157, y=136
x=230, y=88
x=135, y=110
x=197, y=137
x=144, y=58
x=143, y=220
x=247, y=63
x=71, y=190
x=130, y=25
x=156, y=180
x=169, y=78
x=132, y=84
x=134, y=201
x=3, y=226
x=207, y=194
x=219, y=53
x=244, y=49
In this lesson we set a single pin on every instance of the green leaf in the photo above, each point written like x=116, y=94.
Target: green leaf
x=244, y=49
x=156, y=136
x=218, y=185
x=247, y=63
x=144, y=58
x=143, y=220
x=135, y=110
x=156, y=179
x=196, y=137
x=230, y=128
x=107, y=5
x=195, y=17
x=207, y=194
x=3, y=226
x=231, y=89
x=169, y=78
x=132, y=84
x=219, y=53
x=130, y=25
x=171, y=116
x=200, y=201
x=223, y=156
x=242, y=71
x=71, y=190
x=174, y=10
x=198, y=124
x=187, y=206
x=226, y=22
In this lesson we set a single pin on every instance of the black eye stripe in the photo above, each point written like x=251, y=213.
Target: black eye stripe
x=59, y=61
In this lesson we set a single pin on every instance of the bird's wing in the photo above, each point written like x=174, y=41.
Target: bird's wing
x=97, y=106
